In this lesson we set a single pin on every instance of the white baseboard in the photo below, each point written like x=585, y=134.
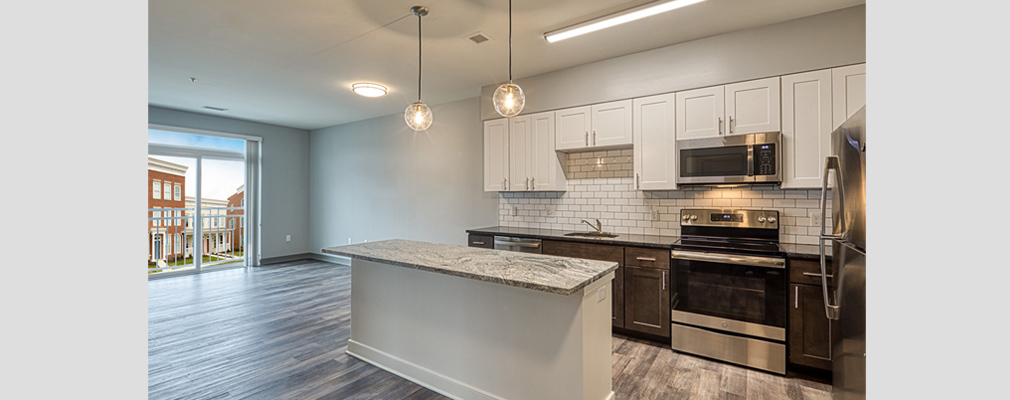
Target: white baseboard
x=435, y=381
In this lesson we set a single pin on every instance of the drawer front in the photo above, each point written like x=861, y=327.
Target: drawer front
x=482, y=241
x=807, y=272
x=642, y=257
x=584, y=250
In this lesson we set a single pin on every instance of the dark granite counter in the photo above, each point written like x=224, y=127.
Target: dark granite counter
x=624, y=239
x=804, y=251
x=560, y=275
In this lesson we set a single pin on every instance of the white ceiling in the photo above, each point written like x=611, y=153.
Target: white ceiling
x=292, y=62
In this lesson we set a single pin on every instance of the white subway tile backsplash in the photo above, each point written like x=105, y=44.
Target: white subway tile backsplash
x=601, y=185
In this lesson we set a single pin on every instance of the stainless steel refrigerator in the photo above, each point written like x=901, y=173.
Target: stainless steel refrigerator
x=845, y=295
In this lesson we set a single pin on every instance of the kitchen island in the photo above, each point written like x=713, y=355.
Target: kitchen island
x=476, y=323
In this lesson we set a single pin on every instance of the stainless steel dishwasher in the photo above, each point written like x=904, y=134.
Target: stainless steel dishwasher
x=522, y=245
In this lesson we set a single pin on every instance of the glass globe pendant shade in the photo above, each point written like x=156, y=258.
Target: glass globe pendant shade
x=418, y=116
x=508, y=100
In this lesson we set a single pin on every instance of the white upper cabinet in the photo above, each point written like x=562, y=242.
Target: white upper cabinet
x=753, y=107
x=848, y=88
x=700, y=113
x=739, y=108
x=806, y=128
x=496, y=155
x=572, y=127
x=655, y=143
x=547, y=172
x=611, y=124
x=596, y=127
x=519, y=153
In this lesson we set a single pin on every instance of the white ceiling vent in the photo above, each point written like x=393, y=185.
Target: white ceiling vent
x=478, y=37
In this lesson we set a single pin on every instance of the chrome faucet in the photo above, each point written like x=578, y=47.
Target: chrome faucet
x=598, y=227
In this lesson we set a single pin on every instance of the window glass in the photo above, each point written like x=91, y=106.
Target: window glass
x=178, y=192
x=156, y=190
x=168, y=191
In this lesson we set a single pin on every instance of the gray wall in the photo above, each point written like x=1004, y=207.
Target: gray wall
x=821, y=41
x=285, y=179
x=377, y=179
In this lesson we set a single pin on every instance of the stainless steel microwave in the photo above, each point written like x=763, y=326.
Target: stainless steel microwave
x=750, y=158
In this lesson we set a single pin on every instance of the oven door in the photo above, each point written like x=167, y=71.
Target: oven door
x=722, y=164
x=734, y=293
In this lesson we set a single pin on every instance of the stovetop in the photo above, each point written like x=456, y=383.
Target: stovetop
x=729, y=245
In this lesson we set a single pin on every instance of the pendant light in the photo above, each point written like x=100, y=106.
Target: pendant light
x=418, y=115
x=509, y=99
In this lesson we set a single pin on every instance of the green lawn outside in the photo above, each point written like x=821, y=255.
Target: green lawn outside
x=188, y=262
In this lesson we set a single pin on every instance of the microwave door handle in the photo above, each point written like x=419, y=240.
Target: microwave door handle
x=750, y=160
x=830, y=163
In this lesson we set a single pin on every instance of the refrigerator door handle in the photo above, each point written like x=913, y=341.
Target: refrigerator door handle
x=830, y=163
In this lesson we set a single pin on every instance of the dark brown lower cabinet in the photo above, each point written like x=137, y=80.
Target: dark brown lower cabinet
x=647, y=300
x=809, y=331
x=600, y=253
x=482, y=241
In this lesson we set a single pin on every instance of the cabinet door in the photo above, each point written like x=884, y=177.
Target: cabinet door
x=848, y=91
x=611, y=124
x=496, y=155
x=655, y=143
x=753, y=106
x=572, y=128
x=809, y=334
x=700, y=113
x=546, y=172
x=806, y=128
x=519, y=153
x=647, y=300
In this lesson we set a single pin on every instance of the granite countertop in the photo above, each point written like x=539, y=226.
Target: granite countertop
x=804, y=251
x=559, y=275
x=792, y=250
x=655, y=241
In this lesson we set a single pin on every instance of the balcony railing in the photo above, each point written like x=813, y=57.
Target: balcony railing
x=173, y=239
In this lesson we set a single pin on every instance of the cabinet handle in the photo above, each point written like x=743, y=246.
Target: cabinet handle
x=720, y=125
x=505, y=184
x=653, y=259
x=731, y=123
x=533, y=183
x=816, y=275
x=664, y=280
x=796, y=297
x=527, y=183
x=587, y=138
x=481, y=243
x=594, y=138
x=638, y=181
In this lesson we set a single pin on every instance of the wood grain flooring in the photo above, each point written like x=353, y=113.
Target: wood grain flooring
x=280, y=332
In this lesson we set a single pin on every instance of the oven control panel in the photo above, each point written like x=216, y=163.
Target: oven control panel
x=730, y=218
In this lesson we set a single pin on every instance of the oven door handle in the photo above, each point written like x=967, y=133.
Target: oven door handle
x=754, y=261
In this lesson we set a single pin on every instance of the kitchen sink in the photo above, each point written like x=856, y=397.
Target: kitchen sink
x=593, y=234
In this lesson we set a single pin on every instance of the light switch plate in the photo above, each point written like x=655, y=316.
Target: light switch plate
x=601, y=294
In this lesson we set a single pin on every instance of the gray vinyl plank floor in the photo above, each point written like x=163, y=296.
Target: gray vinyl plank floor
x=280, y=332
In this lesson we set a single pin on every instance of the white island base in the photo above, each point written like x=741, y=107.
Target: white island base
x=469, y=339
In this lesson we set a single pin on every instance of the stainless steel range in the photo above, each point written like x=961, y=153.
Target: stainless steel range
x=729, y=280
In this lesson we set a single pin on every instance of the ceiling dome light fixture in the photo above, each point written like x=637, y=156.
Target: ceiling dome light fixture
x=418, y=115
x=369, y=89
x=508, y=98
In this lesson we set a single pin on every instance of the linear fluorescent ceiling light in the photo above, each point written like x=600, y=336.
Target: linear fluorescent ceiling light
x=369, y=89
x=620, y=17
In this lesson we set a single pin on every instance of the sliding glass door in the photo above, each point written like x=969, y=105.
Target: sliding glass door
x=198, y=202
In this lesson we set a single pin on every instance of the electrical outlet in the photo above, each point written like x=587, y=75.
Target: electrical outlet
x=815, y=217
x=515, y=211
x=348, y=240
x=287, y=238
x=601, y=294
x=655, y=213
x=550, y=210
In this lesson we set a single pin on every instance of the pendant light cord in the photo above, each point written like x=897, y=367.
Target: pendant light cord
x=419, y=58
x=510, y=41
